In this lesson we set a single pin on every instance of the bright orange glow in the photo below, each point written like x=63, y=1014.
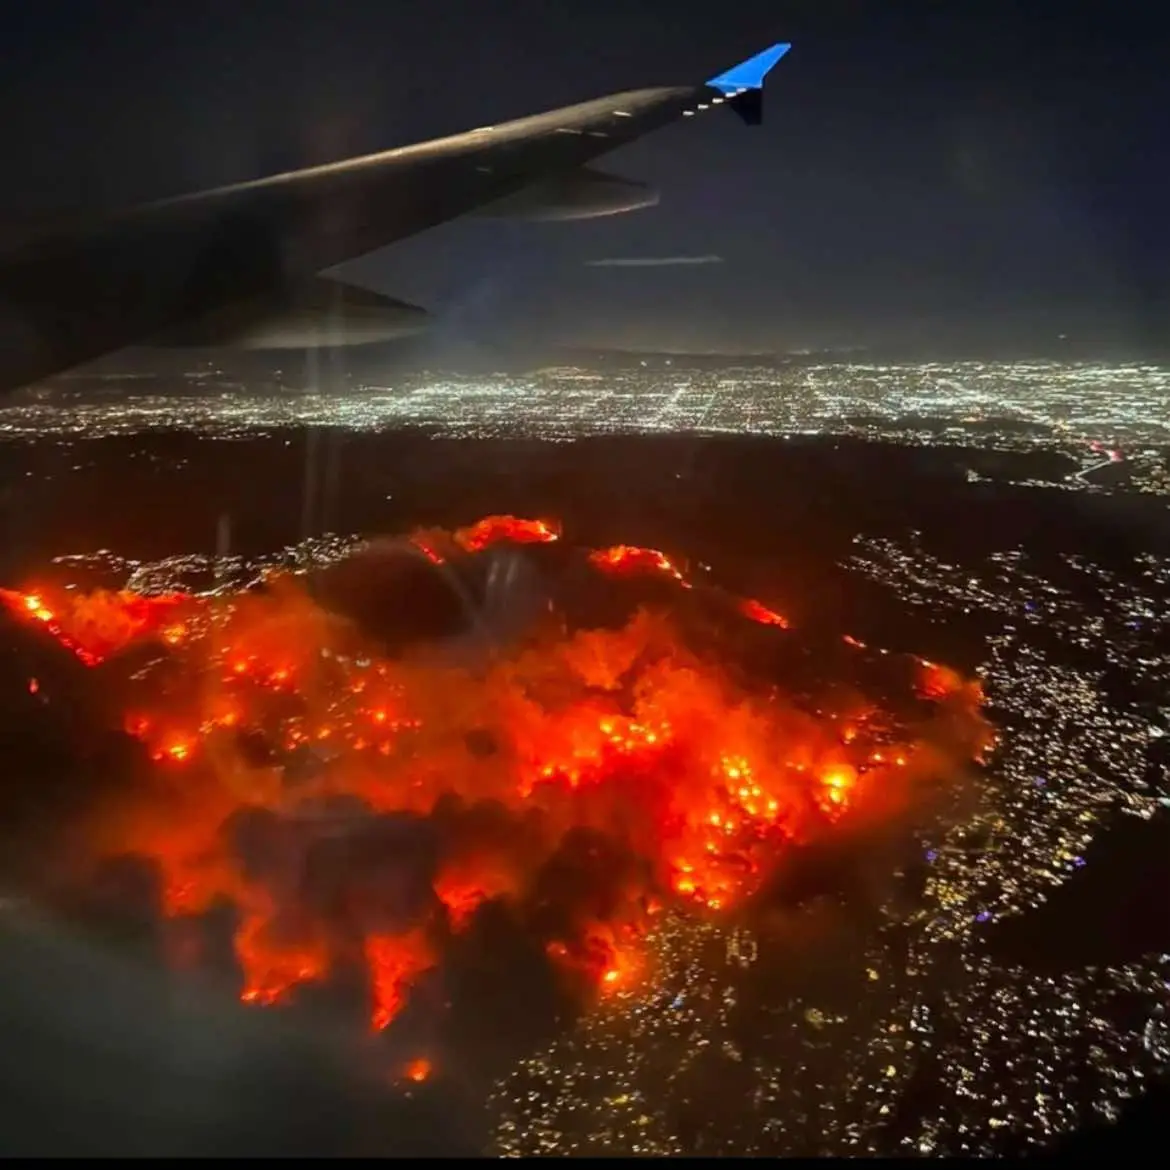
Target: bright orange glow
x=837, y=783
x=94, y=625
x=756, y=611
x=937, y=682
x=432, y=554
x=177, y=750
x=395, y=962
x=272, y=967
x=504, y=529
x=622, y=559
x=418, y=1070
x=610, y=739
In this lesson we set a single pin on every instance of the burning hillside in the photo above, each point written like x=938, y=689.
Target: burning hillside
x=357, y=800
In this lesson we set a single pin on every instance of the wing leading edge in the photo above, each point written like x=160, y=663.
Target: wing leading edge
x=82, y=292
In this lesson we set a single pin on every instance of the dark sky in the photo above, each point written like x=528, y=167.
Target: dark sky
x=990, y=168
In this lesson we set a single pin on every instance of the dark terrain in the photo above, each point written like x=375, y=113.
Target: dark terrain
x=773, y=520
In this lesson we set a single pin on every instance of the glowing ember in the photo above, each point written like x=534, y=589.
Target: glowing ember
x=418, y=1070
x=939, y=682
x=756, y=611
x=395, y=963
x=94, y=625
x=621, y=971
x=587, y=779
x=628, y=559
x=431, y=553
x=504, y=529
x=272, y=966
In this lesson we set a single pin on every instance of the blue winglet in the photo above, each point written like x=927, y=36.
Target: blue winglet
x=749, y=74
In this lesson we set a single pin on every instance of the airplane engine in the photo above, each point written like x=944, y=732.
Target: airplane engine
x=581, y=194
x=316, y=313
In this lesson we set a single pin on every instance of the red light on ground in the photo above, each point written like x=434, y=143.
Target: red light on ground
x=505, y=529
x=178, y=751
x=758, y=612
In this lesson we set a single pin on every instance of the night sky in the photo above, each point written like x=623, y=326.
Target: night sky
x=993, y=170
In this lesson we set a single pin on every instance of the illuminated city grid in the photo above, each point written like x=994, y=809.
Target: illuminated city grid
x=1015, y=406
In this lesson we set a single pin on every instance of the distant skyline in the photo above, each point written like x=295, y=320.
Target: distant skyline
x=972, y=171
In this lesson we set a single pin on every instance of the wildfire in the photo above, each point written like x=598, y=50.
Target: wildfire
x=602, y=773
x=629, y=559
x=418, y=1070
x=621, y=972
x=271, y=965
x=756, y=611
x=395, y=962
x=500, y=529
x=939, y=682
x=96, y=625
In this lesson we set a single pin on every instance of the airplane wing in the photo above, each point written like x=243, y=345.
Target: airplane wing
x=85, y=291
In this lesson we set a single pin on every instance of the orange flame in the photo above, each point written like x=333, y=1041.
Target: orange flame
x=500, y=529
x=756, y=611
x=395, y=963
x=629, y=559
x=94, y=625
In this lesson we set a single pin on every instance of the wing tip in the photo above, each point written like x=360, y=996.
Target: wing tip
x=750, y=74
